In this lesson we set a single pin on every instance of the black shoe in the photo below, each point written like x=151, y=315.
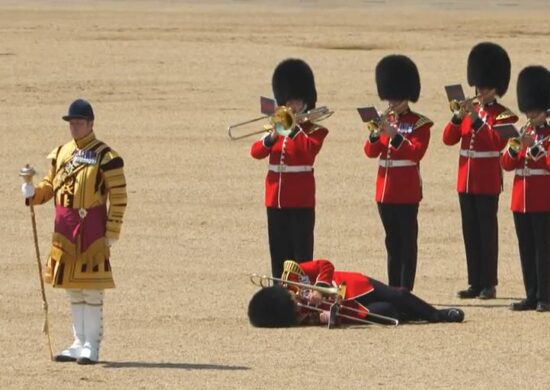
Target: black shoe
x=85, y=361
x=471, y=292
x=451, y=315
x=523, y=305
x=63, y=359
x=488, y=293
x=543, y=306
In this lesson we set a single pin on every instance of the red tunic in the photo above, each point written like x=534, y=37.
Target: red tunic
x=531, y=188
x=478, y=165
x=398, y=179
x=321, y=272
x=290, y=182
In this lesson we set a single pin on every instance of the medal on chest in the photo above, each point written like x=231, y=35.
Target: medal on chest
x=405, y=128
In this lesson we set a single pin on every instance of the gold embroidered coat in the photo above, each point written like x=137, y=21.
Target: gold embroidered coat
x=86, y=180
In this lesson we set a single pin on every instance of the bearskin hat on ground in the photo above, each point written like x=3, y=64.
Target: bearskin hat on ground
x=272, y=307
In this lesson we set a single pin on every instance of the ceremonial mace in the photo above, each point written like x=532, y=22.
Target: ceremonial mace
x=27, y=172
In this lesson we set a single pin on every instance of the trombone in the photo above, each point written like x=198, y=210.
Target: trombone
x=267, y=281
x=457, y=107
x=283, y=120
x=336, y=294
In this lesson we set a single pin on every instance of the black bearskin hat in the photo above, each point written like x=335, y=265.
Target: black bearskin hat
x=293, y=79
x=489, y=67
x=397, y=78
x=533, y=89
x=272, y=307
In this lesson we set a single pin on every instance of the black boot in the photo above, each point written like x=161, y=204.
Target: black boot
x=470, y=292
x=523, y=305
x=488, y=293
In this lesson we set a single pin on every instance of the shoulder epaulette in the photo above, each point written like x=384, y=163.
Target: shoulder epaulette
x=421, y=121
x=505, y=115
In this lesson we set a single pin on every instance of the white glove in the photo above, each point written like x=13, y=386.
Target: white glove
x=28, y=190
x=111, y=242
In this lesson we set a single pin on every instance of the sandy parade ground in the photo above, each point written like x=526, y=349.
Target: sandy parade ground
x=165, y=79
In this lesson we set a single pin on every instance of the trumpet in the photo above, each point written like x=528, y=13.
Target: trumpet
x=373, y=126
x=335, y=297
x=457, y=107
x=515, y=143
x=283, y=120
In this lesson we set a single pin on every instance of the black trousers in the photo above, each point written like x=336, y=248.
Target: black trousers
x=480, y=232
x=401, y=227
x=533, y=231
x=290, y=234
x=398, y=303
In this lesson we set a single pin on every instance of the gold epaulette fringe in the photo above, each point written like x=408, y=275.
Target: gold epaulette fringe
x=421, y=121
x=506, y=114
x=291, y=267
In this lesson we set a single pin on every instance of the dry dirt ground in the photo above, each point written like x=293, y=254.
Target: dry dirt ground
x=165, y=79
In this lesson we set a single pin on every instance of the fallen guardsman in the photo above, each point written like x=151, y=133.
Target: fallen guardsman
x=313, y=293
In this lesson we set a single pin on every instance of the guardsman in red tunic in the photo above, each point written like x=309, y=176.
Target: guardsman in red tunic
x=275, y=307
x=479, y=174
x=290, y=184
x=399, y=147
x=527, y=156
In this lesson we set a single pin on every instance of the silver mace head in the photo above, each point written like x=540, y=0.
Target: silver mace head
x=27, y=172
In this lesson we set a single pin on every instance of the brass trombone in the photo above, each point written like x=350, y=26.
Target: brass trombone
x=457, y=107
x=283, y=120
x=336, y=294
x=267, y=281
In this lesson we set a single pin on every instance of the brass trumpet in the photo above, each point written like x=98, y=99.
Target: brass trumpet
x=515, y=143
x=373, y=126
x=283, y=121
x=457, y=107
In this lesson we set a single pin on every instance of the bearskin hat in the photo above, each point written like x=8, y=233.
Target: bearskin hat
x=272, y=307
x=397, y=78
x=293, y=79
x=489, y=67
x=533, y=89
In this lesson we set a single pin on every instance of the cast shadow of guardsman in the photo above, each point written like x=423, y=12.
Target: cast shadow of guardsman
x=179, y=366
x=505, y=303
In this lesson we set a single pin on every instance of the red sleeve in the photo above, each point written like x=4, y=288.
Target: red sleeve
x=508, y=162
x=312, y=142
x=452, y=134
x=319, y=271
x=258, y=150
x=373, y=149
x=414, y=147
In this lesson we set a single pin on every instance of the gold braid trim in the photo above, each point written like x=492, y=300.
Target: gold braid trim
x=421, y=121
x=291, y=267
x=506, y=114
